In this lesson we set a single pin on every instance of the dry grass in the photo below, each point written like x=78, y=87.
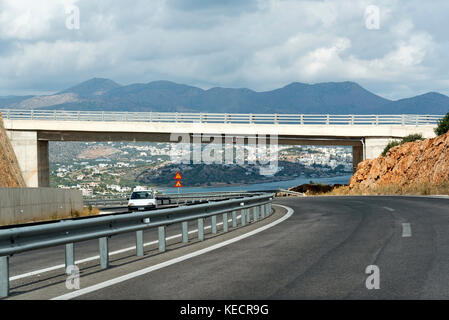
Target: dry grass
x=89, y=212
x=413, y=189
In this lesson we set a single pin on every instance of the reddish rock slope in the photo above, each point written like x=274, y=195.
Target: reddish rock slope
x=10, y=174
x=412, y=163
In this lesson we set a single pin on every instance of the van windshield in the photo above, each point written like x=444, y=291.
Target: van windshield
x=142, y=195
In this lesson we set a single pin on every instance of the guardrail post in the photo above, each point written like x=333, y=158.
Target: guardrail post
x=69, y=256
x=185, y=231
x=234, y=219
x=262, y=211
x=327, y=119
x=225, y=222
x=214, y=224
x=243, y=217
x=161, y=241
x=256, y=213
x=201, y=229
x=104, y=252
x=139, y=243
x=4, y=276
x=302, y=119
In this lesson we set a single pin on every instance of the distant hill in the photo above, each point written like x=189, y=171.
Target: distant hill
x=330, y=97
x=91, y=88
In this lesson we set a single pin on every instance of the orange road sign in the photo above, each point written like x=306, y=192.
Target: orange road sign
x=178, y=184
x=178, y=175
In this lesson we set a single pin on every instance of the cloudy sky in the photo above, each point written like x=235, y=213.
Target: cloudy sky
x=258, y=44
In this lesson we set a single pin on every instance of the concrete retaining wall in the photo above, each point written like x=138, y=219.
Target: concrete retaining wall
x=22, y=205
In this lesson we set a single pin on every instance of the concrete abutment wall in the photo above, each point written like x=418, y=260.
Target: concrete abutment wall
x=32, y=155
x=22, y=205
x=375, y=146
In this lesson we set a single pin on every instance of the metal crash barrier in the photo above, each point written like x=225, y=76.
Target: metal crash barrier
x=68, y=232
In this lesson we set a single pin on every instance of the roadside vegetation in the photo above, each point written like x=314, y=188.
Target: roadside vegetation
x=409, y=138
x=443, y=125
x=413, y=189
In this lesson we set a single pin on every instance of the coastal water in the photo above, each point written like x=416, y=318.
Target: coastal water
x=258, y=186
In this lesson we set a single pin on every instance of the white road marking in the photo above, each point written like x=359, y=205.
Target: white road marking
x=406, y=230
x=107, y=212
x=388, y=208
x=62, y=266
x=138, y=273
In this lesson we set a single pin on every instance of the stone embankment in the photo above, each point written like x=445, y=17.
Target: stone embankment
x=416, y=163
x=10, y=174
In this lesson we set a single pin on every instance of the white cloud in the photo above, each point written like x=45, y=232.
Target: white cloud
x=258, y=44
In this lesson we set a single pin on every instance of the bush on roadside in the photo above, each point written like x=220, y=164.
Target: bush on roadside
x=412, y=137
x=409, y=138
x=390, y=145
x=443, y=125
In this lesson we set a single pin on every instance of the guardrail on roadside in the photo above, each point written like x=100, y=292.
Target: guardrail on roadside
x=243, y=118
x=293, y=193
x=174, y=198
x=67, y=232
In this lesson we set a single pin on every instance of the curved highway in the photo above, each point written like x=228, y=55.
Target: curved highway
x=326, y=249
x=320, y=252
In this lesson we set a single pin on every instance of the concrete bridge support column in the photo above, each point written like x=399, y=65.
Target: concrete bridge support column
x=375, y=146
x=32, y=155
x=357, y=157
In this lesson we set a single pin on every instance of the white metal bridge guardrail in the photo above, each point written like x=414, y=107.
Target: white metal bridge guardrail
x=294, y=119
x=67, y=232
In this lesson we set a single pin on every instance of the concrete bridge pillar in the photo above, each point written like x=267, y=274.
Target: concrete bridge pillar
x=375, y=146
x=32, y=155
x=357, y=157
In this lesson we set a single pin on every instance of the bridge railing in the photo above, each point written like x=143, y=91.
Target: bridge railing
x=67, y=232
x=173, y=117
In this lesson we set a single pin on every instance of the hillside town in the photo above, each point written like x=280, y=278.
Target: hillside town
x=111, y=168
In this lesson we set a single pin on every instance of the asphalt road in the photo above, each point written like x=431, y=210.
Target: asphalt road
x=321, y=252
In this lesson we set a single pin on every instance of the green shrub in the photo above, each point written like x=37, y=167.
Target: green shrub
x=409, y=138
x=390, y=145
x=443, y=125
x=412, y=137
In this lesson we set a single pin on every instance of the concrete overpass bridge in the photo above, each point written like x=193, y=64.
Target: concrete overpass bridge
x=31, y=130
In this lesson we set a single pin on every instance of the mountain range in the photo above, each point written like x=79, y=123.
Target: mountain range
x=165, y=96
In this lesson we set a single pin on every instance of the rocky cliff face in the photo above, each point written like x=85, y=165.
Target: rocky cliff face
x=10, y=174
x=413, y=163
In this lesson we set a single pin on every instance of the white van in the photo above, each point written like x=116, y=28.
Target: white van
x=142, y=200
